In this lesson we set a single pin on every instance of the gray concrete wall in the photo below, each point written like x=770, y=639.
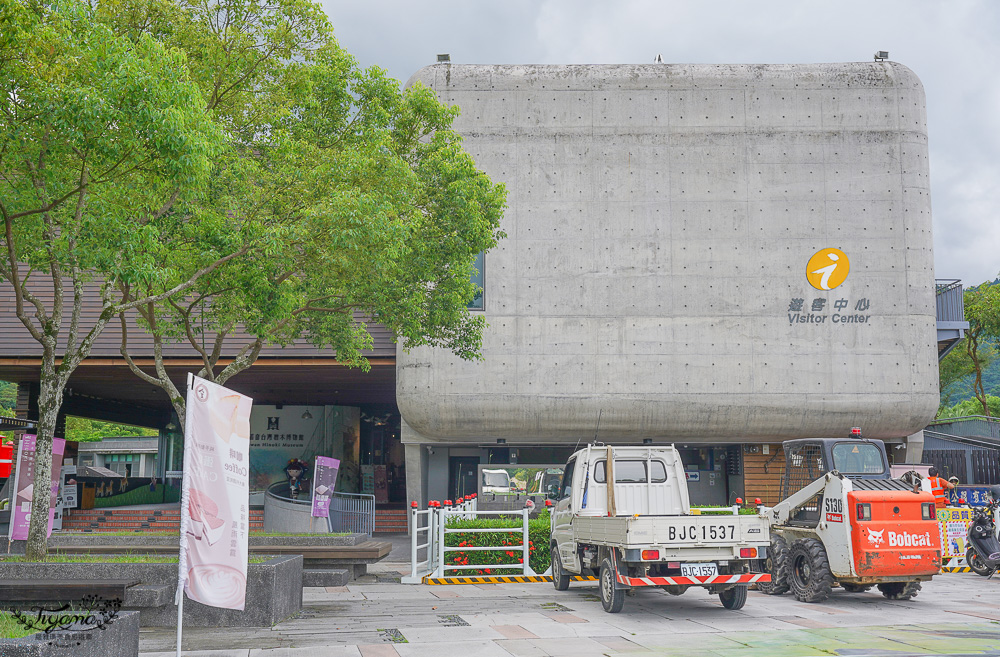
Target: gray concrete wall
x=660, y=220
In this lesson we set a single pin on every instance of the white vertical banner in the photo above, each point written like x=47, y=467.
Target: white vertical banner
x=215, y=502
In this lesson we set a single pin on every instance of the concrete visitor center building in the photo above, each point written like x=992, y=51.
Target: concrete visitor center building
x=712, y=256
x=719, y=257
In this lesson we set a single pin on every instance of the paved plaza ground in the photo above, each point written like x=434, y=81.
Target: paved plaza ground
x=955, y=614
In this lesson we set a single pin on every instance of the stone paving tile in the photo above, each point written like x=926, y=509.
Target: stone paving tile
x=785, y=651
x=618, y=644
x=575, y=647
x=314, y=651
x=599, y=629
x=198, y=653
x=378, y=650
x=521, y=648
x=560, y=617
x=550, y=630
x=732, y=623
x=686, y=644
x=656, y=625
x=505, y=619
x=465, y=649
x=804, y=622
x=514, y=632
x=449, y=634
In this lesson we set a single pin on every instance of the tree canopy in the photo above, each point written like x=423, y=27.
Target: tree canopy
x=225, y=159
x=365, y=205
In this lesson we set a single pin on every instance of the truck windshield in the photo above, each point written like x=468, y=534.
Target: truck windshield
x=858, y=458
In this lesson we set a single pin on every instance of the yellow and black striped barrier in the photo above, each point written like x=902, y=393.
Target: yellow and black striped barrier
x=956, y=569
x=502, y=579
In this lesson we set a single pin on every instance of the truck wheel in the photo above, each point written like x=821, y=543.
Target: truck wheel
x=899, y=590
x=777, y=565
x=613, y=599
x=856, y=588
x=809, y=575
x=734, y=598
x=560, y=578
x=976, y=563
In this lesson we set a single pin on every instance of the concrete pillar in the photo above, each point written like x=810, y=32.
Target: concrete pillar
x=915, y=447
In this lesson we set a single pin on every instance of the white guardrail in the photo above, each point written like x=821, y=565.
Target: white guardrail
x=429, y=528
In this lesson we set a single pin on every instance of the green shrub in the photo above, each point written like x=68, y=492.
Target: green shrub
x=725, y=510
x=539, y=531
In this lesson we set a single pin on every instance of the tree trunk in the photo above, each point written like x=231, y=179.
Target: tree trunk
x=49, y=401
x=972, y=348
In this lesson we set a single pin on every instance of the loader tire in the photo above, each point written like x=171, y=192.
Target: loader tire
x=899, y=590
x=777, y=565
x=809, y=575
x=560, y=578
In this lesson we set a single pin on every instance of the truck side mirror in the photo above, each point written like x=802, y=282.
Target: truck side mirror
x=553, y=492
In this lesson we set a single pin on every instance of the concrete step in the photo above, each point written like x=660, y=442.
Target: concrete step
x=326, y=576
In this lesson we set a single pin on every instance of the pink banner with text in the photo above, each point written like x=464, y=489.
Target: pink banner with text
x=215, y=497
x=20, y=517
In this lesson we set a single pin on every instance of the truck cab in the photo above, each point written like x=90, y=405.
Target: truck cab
x=623, y=513
x=496, y=481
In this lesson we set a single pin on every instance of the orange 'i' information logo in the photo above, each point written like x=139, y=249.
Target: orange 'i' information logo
x=827, y=269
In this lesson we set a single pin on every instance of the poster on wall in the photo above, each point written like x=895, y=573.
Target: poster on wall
x=70, y=487
x=20, y=517
x=278, y=435
x=381, y=485
x=324, y=484
x=368, y=479
x=215, y=496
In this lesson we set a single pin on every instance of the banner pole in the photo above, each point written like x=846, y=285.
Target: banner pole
x=180, y=615
x=185, y=515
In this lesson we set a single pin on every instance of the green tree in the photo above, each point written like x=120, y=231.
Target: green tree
x=100, y=136
x=971, y=406
x=86, y=430
x=8, y=399
x=982, y=310
x=369, y=209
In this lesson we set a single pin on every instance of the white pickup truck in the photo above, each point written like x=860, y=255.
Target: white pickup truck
x=641, y=532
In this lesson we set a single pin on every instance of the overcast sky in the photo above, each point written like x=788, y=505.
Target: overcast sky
x=953, y=46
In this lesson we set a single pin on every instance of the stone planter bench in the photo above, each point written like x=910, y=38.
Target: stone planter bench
x=329, y=560
x=118, y=639
x=274, y=590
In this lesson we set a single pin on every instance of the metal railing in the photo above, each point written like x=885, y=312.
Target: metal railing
x=352, y=512
x=349, y=512
x=972, y=425
x=428, y=535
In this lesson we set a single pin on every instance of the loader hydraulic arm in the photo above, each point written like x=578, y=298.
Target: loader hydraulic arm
x=782, y=511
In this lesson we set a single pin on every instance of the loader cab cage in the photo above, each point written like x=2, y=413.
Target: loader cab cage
x=809, y=459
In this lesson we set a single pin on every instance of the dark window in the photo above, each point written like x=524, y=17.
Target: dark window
x=478, y=279
x=631, y=472
x=567, y=480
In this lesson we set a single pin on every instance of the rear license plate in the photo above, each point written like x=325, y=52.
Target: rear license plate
x=699, y=569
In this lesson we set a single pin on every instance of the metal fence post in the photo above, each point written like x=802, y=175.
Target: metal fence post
x=414, y=538
x=442, y=521
x=525, y=567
